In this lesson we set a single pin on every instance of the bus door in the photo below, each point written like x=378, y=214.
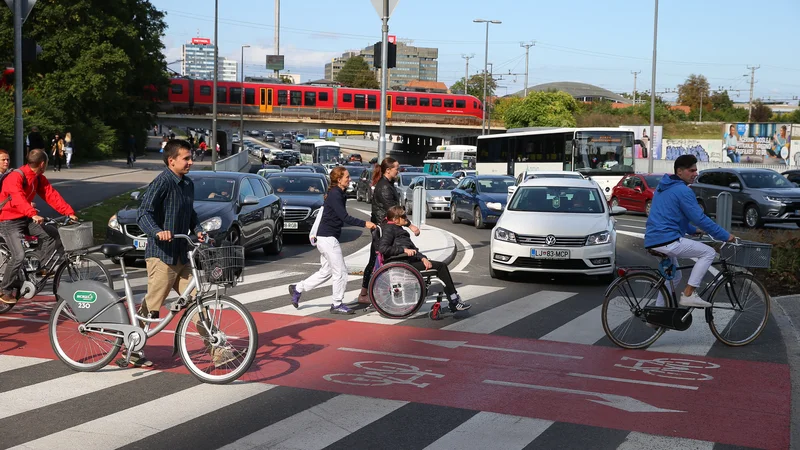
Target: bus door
x=569, y=155
x=388, y=106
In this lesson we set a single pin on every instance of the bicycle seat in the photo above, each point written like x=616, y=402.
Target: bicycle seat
x=656, y=253
x=115, y=250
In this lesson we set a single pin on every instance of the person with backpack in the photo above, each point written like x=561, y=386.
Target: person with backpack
x=58, y=152
x=18, y=217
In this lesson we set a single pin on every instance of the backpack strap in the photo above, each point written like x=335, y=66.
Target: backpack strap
x=24, y=185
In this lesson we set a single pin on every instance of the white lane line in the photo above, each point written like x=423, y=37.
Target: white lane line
x=136, y=423
x=492, y=430
x=627, y=380
x=631, y=233
x=24, y=319
x=468, y=254
x=64, y=388
x=276, y=291
x=496, y=318
x=631, y=226
x=585, y=329
x=320, y=426
x=266, y=276
x=399, y=355
x=636, y=441
x=307, y=308
x=8, y=362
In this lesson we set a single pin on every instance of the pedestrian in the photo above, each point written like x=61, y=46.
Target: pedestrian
x=130, y=149
x=35, y=139
x=5, y=162
x=334, y=217
x=384, y=197
x=57, y=148
x=68, y=148
x=203, y=148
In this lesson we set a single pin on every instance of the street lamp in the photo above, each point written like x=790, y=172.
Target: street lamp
x=653, y=95
x=214, y=92
x=241, y=105
x=485, y=67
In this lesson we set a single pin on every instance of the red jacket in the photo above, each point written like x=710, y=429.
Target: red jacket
x=20, y=204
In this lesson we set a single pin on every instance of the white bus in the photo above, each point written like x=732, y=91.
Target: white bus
x=320, y=151
x=465, y=153
x=603, y=154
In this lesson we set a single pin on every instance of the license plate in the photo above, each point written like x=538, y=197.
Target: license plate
x=549, y=254
x=290, y=225
x=140, y=244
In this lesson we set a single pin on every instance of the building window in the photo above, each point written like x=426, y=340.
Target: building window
x=424, y=101
x=400, y=101
x=282, y=98
x=222, y=95
x=177, y=89
x=296, y=98
x=236, y=95
x=359, y=102
x=205, y=90
x=323, y=96
x=347, y=98
x=249, y=96
x=461, y=103
x=412, y=101
x=371, y=102
x=448, y=103
x=437, y=102
x=311, y=98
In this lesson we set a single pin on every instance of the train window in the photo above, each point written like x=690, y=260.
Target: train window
x=323, y=96
x=461, y=103
x=359, y=102
x=205, y=90
x=475, y=105
x=282, y=98
x=437, y=102
x=222, y=94
x=372, y=102
x=250, y=96
x=177, y=89
x=400, y=101
x=236, y=95
x=424, y=101
x=296, y=98
x=311, y=98
x=264, y=97
x=347, y=98
x=412, y=101
x=448, y=103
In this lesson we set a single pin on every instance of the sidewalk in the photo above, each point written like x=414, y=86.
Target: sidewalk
x=436, y=244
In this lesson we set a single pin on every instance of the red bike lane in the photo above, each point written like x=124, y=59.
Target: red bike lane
x=719, y=400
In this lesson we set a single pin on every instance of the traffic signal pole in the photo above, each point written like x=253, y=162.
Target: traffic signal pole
x=19, y=134
x=384, y=78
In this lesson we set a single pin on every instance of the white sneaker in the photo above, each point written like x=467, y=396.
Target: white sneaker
x=694, y=301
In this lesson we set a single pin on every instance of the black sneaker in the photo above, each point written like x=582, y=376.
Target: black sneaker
x=341, y=309
x=457, y=305
x=295, y=295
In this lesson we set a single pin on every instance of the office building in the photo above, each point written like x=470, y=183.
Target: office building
x=228, y=70
x=198, y=62
x=413, y=64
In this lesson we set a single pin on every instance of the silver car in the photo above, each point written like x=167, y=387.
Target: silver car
x=437, y=193
x=401, y=185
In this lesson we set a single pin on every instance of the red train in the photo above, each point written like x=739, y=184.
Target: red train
x=192, y=96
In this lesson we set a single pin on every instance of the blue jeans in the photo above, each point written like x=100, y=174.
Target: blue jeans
x=734, y=156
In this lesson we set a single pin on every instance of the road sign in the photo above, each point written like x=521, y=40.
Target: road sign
x=392, y=39
x=274, y=62
x=377, y=4
x=27, y=6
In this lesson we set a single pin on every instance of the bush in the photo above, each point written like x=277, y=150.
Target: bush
x=783, y=277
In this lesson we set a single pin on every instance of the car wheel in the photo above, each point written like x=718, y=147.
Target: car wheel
x=647, y=207
x=614, y=202
x=478, y=218
x=453, y=216
x=497, y=274
x=752, y=218
x=358, y=197
x=276, y=246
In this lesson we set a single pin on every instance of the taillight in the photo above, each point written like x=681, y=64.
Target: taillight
x=621, y=271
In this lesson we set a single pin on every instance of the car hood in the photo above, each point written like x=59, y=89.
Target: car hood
x=493, y=197
x=438, y=193
x=312, y=201
x=792, y=192
x=204, y=211
x=558, y=224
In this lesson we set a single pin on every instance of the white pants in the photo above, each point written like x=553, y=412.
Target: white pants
x=68, y=152
x=688, y=249
x=333, y=266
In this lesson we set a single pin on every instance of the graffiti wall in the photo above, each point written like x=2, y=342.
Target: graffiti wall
x=705, y=150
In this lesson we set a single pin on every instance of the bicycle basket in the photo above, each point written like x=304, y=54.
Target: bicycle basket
x=220, y=265
x=747, y=254
x=76, y=237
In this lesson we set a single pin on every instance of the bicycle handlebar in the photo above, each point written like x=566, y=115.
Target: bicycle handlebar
x=60, y=220
x=192, y=239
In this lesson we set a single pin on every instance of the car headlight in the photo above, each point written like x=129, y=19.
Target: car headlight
x=314, y=214
x=212, y=224
x=113, y=223
x=603, y=237
x=497, y=206
x=778, y=199
x=436, y=199
x=501, y=234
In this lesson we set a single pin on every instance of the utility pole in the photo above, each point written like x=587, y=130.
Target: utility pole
x=489, y=111
x=752, y=83
x=466, y=71
x=19, y=133
x=214, y=91
x=653, y=93
x=701, y=104
x=485, y=67
x=527, y=48
x=241, y=105
x=278, y=33
x=635, y=75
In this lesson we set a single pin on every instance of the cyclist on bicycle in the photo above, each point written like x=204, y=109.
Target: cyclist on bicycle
x=18, y=217
x=675, y=213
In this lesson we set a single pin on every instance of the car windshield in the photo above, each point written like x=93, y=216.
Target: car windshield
x=414, y=169
x=555, y=175
x=557, y=200
x=299, y=169
x=296, y=185
x=495, y=185
x=214, y=189
x=272, y=166
x=440, y=184
x=451, y=166
x=762, y=180
x=652, y=180
x=355, y=171
x=405, y=180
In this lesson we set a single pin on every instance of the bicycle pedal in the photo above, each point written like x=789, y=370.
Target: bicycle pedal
x=122, y=362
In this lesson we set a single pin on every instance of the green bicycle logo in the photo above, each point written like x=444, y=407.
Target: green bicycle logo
x=85, y=296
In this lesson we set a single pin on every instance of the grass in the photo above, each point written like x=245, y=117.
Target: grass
x=100, y=213
x=684, y=130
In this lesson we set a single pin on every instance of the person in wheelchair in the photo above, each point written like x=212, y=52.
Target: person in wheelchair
x=395, y=241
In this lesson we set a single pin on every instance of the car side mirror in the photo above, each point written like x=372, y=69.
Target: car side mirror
x=617, y=211
x=135, y=195
x=249, y=200
x=736, y=186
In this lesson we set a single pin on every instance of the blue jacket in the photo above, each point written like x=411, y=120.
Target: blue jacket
x=674, y=212
x=335, y=216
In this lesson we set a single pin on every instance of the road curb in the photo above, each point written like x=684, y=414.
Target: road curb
x=788, y=322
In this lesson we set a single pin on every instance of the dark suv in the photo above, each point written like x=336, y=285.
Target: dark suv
x=759, y=195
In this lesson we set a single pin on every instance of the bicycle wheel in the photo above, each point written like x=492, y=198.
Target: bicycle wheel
x=623, y=310
x=740, y=309
x=82, y=267
x=82, y=351
x=397, y=290
x=4, y=255
x=220, y=348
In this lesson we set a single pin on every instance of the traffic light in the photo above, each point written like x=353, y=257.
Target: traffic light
x=392, y=57
x=30, y=50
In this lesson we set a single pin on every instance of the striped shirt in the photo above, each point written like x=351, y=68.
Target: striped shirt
x=168, y=205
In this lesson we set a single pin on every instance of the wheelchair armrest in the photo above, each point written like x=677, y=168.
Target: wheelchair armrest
x=395, y=258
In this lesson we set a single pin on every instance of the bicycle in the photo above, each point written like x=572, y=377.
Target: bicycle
x=213, y=352
x=734, y=294
x=75, y=262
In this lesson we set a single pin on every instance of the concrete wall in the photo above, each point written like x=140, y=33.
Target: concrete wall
x=709, y=153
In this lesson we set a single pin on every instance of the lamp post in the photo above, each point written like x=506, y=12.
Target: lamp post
x=485, y=67
x=653, y=95
x=214, y=92
x=241, y=105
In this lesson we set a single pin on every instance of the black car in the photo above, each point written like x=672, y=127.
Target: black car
x=302, y=193
x=355, y=172
x=282, y=163
x=307, y=169
x=286, y=143
x=364, y=185
x=237, y=208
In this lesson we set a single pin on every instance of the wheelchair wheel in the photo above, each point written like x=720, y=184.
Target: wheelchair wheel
x=397, y=290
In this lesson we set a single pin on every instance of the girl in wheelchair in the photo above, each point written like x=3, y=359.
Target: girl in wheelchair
x=395, y=241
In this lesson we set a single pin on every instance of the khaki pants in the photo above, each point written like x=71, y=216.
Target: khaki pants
x=161, y=278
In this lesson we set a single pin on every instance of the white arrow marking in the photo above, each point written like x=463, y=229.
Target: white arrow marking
x=456, y=344
x=622, y=402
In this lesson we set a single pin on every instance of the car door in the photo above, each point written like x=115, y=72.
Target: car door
x=739, y=196
x=263, y=218
x=636, y=197
x=275, y=212
x=249, y=216
x=470, y=198
x=704, y=188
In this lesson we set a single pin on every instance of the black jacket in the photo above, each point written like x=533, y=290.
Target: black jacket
x=335, y=216
x=394, y=240
x=383, y=198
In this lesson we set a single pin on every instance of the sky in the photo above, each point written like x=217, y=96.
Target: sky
x=599, y=43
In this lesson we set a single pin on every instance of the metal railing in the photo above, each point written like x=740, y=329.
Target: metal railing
x=234, y=163
x=666, y=166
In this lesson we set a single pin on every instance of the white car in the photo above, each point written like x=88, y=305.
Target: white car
x=528, y=174
x=556, y=225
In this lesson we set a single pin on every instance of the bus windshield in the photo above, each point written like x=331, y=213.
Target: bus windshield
x=603, y=150
x=450, y=166
x=327, y=154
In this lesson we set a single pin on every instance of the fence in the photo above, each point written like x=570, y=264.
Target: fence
x=666, y=166
x=234, y=163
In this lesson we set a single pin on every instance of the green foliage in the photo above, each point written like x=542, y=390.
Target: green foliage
x=601, y=114
x=691, y=91
x=475, y=86
x=761, y=112
x=541, y=109
x=286, y=80
x=356, y=74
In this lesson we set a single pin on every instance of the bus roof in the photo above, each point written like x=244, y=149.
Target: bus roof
x=543, y=130
x=431, y=161
x=320, y=143
x=456, y=147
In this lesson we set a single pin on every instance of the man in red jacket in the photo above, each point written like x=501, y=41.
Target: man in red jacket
x=18, y=217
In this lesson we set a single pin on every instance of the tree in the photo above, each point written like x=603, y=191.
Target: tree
x=720, y=100
x=357, y=74
x=761, y=112
x=475, y=86
x=286, y=80
x=692, y=89
x=542, y=109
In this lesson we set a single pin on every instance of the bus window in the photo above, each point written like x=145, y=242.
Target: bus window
x=461, y=103
x=250, y=96
x=347, y=98
x=296, y=98
x=311, y=98
x=412, y=101
x=448, y=103
x=424, y=101
x=323, y=96
x=282, y=98
x=400, y=101
x=371, y=102
x=359, y=101
x=603, y=150
x=437, y=102
x=493, y=150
